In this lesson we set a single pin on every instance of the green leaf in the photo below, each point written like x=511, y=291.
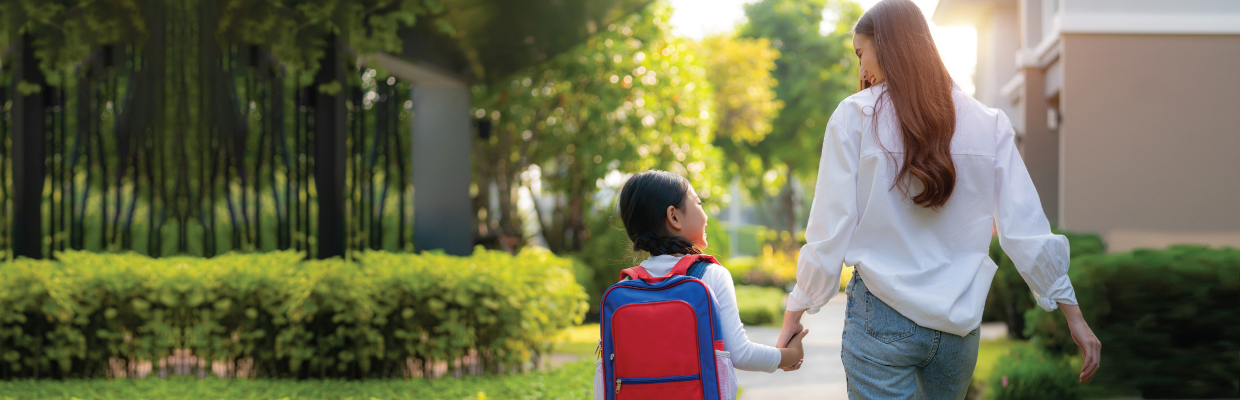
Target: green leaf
x=331, y=89
x=27, y=88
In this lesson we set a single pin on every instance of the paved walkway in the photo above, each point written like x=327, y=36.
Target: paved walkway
x=822, y=375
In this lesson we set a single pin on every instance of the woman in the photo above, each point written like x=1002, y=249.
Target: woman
x=914, y=175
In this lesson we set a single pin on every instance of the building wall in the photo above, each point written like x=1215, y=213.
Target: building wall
x=1150, y=138
x=998, y=39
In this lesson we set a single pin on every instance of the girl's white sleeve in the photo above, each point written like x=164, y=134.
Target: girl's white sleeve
x=746, y=355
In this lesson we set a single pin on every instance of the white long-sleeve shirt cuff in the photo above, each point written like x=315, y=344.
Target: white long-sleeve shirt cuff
x=798, y=300
x=797, y=304
x=1060, y=292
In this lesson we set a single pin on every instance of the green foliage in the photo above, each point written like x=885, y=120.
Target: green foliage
x=739, y=71
x=1010, y=296
x=760, y=305
x=719, y=242
x=1028, y=373
x=570, y=381
x=750, y=239
x=602, y=259
x=632, y=98
x=328, y=318
x=740, y=267
x=1166, y=319
x=298, y=31
x=815, y=70
x=63, y=31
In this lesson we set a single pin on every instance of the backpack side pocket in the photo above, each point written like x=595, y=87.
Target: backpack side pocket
x=726, y=375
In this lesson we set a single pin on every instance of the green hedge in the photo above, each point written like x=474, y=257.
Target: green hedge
x=1009, y=294
x=293, y=318
x=1029, y=373
x=760, y=305
x=1169, y=320
x=570, y=381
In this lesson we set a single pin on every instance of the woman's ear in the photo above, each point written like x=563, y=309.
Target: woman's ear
x=673, y=219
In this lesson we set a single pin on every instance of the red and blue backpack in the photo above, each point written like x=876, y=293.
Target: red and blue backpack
x=661, y=337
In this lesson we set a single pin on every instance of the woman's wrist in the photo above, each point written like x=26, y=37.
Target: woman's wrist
x=1071, y=312
x=793, y=316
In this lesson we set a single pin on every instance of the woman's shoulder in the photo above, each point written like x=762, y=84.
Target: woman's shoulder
x=863, y=102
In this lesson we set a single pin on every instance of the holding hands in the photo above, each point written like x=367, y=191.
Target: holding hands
x=789, y=343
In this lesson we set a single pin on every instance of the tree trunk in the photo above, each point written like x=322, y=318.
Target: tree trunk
x=788, y=211
x=576, y=225
x=551, y=226
x=510, y=234
x=485, y=230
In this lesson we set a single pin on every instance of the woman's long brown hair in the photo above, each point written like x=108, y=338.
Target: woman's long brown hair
x=920, y=89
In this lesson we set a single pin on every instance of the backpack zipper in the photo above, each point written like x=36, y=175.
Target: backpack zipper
x=661, y=379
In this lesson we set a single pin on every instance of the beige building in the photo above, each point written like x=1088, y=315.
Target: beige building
x=1127, y=112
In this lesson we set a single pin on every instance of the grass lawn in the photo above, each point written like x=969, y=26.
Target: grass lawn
x=570, y=381
x=579, y=340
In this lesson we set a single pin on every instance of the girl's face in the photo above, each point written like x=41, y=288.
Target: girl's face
x=870, y=71
x=689, y=221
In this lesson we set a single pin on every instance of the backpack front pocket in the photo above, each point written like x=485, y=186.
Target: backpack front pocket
x=666, y=387
x=657, y=339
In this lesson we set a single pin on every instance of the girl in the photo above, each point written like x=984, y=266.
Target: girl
x=914, y=173
x=663, y=216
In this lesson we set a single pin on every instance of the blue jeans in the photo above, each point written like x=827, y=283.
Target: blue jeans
x=887, y=356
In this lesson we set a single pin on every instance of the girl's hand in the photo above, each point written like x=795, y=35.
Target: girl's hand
x=1084, y=337
x=792, y=326
x=792, y=355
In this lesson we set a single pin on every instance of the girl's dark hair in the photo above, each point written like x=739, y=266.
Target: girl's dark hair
x=643, y=207
x=921, y=92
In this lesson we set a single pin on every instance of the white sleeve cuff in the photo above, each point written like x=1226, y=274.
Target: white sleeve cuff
x=799, y=301
x=1060, y=292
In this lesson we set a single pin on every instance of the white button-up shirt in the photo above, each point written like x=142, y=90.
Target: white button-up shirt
x=931, y=266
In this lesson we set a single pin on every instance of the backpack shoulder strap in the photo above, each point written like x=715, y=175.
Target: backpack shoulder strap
x=698, y=269
x=634, y=273
x=683, y=267
x=686, y=264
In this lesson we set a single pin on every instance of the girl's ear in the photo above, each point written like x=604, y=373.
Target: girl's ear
x=673, y=220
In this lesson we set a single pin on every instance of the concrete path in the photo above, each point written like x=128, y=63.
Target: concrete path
x=822, y=374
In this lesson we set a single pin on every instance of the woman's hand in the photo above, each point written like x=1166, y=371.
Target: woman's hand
x=790, y=357
x=792, y=326
x=1084, y=337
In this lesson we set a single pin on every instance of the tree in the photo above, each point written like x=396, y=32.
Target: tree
x=631, y=98
x=739, y=71
x=815, y=72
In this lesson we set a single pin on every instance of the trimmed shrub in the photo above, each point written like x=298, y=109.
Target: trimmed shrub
x=1010, y=296
x=760, y=305
x=1167, y=319
x=1029, y=373
x=292, y=318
